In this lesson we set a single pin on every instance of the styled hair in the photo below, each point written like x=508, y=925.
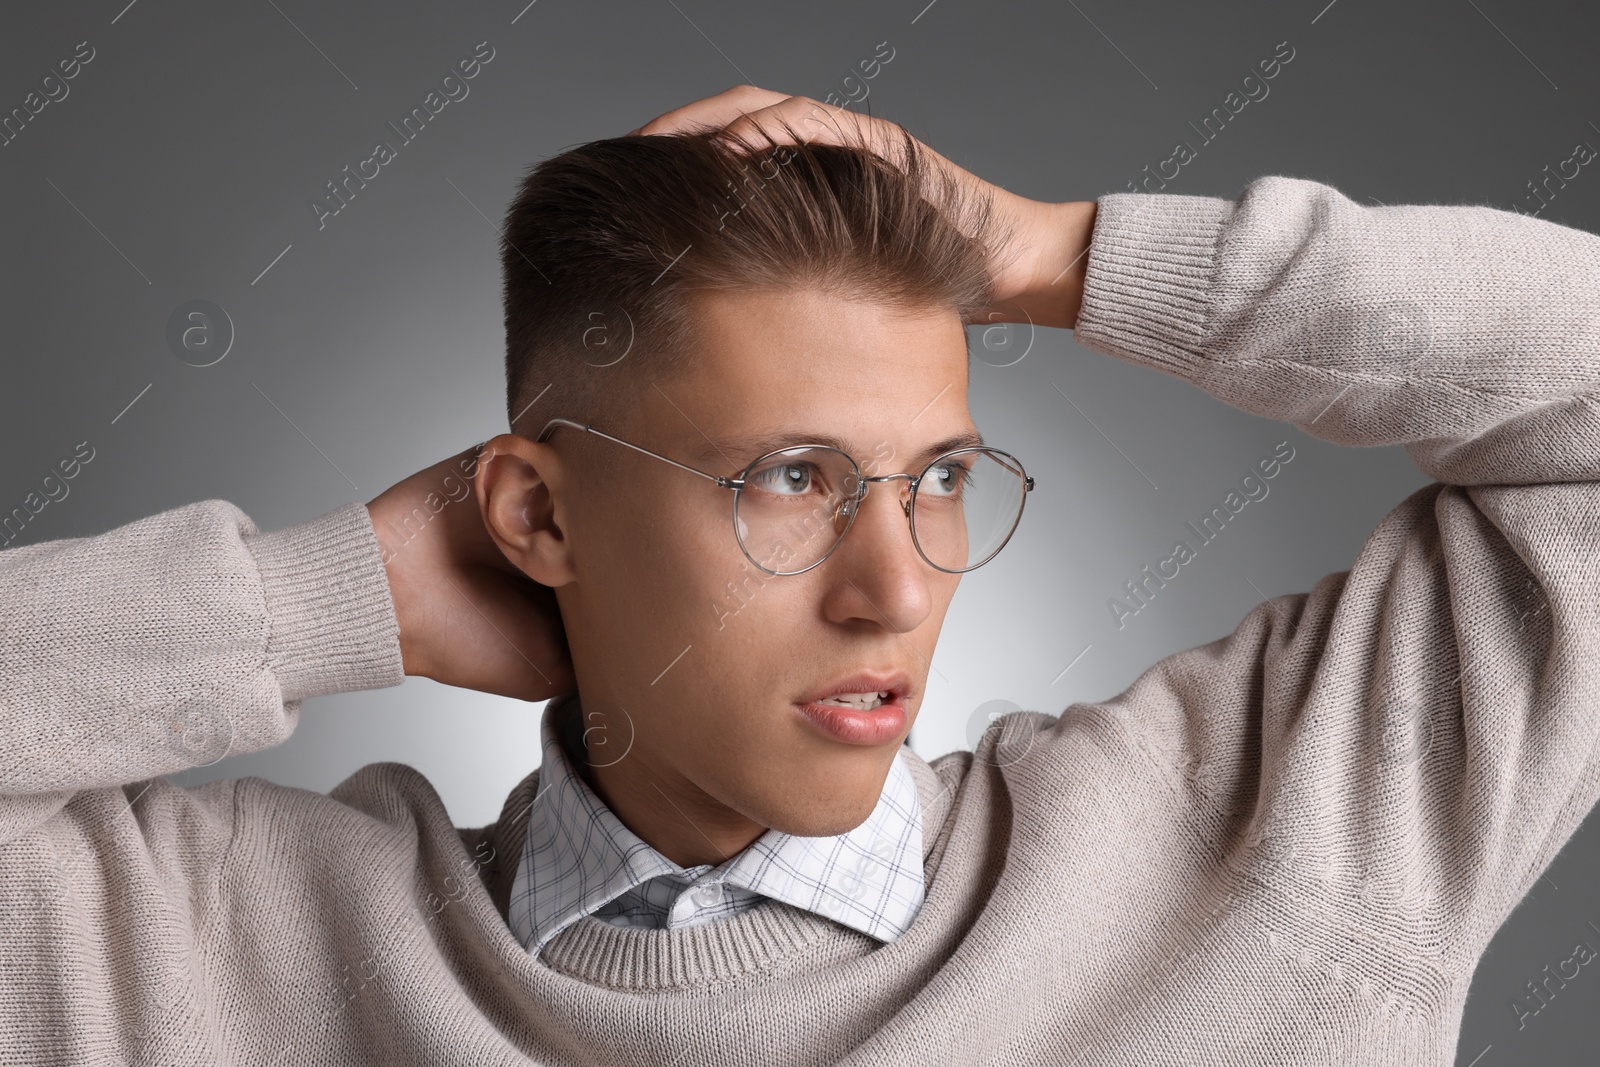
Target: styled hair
x=603, y=243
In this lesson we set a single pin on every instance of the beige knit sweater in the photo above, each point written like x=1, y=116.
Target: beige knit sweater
x=1289, y=845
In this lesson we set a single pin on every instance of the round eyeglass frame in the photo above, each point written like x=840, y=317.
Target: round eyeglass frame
x=737, y=484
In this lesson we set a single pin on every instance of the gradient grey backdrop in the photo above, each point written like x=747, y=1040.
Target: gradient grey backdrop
x=182, y=163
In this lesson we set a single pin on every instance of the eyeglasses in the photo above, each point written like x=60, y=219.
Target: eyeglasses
x=792, y=506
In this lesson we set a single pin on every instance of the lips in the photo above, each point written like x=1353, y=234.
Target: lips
x=896, y=682
x=884, y=724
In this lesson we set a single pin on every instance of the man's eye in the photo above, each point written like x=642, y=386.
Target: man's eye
x=785, y=479
x=947, y=480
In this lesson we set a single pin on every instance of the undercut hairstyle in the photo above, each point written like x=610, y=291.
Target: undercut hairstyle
x=604, y=243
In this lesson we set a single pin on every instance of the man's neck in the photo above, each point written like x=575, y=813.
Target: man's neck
x=667, y=812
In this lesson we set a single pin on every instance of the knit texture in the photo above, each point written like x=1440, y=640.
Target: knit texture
x=1291, y=844
x=579, y=859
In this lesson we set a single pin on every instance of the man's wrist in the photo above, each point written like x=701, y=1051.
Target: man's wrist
x=1065, y=231
x=411, y=659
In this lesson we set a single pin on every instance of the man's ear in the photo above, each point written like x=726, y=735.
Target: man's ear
x=519, y=488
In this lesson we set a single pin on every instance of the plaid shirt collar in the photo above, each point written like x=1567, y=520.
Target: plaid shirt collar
x=579, y=859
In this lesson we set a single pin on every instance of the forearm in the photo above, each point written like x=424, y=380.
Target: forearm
x=174, y=640
x=1469, y=335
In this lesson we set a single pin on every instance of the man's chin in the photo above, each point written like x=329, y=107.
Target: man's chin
x=809, y=794
x=828, y=816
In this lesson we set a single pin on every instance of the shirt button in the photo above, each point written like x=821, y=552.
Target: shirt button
x=707, y=896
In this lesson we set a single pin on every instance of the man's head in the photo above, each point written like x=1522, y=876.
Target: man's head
x=696, y=298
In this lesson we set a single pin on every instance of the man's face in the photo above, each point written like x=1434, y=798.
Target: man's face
x=694, y=657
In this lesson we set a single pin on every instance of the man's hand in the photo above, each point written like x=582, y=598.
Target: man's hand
x=467, y=616
x=1040, y=272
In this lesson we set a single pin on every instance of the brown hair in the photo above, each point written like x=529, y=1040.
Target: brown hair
x=603, y=242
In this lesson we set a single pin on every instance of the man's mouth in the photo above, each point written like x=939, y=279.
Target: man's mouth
x=860, y=701
x=864, y=708
x=863, y=689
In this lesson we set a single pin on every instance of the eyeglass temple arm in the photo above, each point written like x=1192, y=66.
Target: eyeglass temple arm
x=726, y=483
x=549, y=427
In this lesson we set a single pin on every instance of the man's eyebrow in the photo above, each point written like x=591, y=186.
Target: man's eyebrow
x=744, y=448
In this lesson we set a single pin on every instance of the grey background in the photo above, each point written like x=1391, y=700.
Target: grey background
x=182, y=162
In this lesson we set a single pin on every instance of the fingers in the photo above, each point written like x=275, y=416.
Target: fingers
x=798, y=118
x=711, y=111
x=751, y=115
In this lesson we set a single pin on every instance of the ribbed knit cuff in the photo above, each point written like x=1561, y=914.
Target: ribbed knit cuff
x=331, y=619
x=1148, y=285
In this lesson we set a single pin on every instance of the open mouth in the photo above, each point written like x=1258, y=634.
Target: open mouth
x=860, y=701
x=859, y=718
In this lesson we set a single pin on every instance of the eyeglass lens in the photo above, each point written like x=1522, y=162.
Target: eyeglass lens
x=797, y=504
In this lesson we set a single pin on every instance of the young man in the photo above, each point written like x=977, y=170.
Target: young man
x=1289, y=845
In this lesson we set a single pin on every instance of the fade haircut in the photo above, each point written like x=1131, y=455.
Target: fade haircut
x=604, y=242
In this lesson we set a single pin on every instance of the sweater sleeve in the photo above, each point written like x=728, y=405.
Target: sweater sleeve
x=177, y=639
x=1469, y=335
x=1401, y=751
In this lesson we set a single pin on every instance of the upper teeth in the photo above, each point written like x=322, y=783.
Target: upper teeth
x=864, y=701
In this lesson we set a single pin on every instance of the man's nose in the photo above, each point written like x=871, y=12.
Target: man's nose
x=887, y=578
